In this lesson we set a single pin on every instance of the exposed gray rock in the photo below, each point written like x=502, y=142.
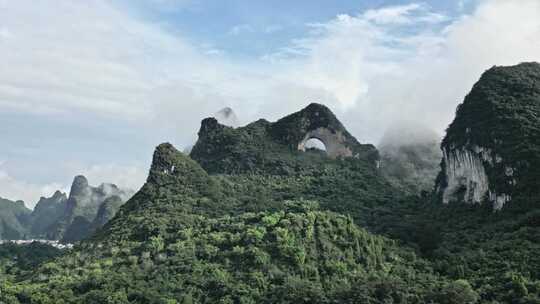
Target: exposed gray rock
x=466, y=177
x=333, y=142
x=464, y=172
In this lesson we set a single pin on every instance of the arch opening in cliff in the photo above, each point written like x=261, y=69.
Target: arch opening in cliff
x=332, y=141
x=315, y=143
x=217, y=143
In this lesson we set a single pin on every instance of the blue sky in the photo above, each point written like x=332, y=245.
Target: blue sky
x=91, y=87
x=253, y=28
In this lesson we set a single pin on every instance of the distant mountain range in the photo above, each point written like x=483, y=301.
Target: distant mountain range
x=61, y=217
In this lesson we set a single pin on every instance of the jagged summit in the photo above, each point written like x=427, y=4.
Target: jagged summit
x=258, y=146
x=47, y=202
x=170, y=166
x=58, y=194
x=492, y=148
x=79, y=186
x=167, y=159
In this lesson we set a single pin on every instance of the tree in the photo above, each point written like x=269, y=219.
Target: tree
x=457, y=292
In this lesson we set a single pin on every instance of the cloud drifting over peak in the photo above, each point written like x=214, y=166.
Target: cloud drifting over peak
x=94, y=61
x=389, y=69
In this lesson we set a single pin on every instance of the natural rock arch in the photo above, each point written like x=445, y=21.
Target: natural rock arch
x=333, y=142
x=258, y=145
x=315, y=143
x=317, y=121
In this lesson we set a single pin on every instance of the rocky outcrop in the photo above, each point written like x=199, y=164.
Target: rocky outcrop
x=465, y=173
x=333, y=142
x=79, y=187
x=169, y=166
x=491, y=152
x=276, y=148
x=317, y=121
x=80, y=209
x=466, y=177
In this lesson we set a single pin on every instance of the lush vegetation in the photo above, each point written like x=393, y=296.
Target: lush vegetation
x=248, y=219
x=297, y=255
x=25, y=258
x=190, y=237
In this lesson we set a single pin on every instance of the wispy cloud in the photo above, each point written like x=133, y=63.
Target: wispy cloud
x=129, y=177
x=241, y=29
x=404, y=14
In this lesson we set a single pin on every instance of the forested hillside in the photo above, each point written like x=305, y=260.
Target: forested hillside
x=253, y=216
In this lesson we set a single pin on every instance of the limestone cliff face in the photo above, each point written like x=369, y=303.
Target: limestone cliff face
x=491, y=152
x=466, y=177
x=465, y=172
